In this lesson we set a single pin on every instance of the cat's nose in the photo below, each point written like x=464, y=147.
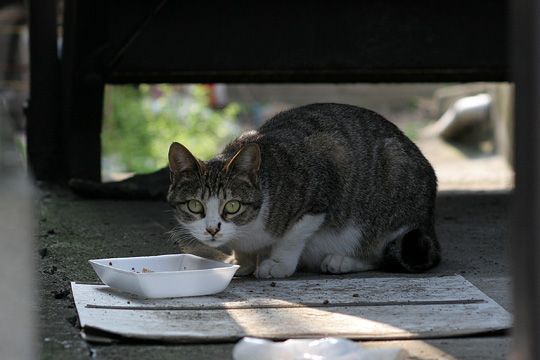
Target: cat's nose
x=213, y=230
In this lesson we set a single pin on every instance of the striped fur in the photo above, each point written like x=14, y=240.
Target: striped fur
x=369, y=187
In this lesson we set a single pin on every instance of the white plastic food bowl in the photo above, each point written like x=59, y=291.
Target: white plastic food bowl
x=165, y=275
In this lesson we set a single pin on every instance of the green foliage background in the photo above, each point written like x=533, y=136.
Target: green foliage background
x=140, y=122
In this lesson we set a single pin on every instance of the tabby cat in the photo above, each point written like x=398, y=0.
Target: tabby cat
x=325, y=187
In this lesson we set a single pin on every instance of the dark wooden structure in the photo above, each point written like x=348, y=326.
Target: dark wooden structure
x=151, y=41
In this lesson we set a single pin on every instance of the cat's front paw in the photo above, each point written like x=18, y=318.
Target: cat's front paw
x=271, y=268
x=246, y=267
x=245, y=270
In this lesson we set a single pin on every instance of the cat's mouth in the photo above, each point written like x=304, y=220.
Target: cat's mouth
x=213, y=241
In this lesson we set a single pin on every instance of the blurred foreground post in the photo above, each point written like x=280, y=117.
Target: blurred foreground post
x=525, y=241
x=17, y=285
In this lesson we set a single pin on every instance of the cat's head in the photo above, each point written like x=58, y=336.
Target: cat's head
x=213, y=200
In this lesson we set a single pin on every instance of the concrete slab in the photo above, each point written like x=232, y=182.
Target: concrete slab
x=472, y=228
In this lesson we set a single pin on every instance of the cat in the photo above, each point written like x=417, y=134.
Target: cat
x=328, y=188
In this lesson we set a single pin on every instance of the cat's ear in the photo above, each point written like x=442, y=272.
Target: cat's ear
x=246, y=160
x=181, y=159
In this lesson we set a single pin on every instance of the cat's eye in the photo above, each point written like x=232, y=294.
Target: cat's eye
x=195, y=206
x=232, y=207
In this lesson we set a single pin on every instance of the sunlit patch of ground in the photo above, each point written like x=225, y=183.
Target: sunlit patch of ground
x=457, y=170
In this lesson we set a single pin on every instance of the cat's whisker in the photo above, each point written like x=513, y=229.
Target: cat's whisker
x=179, y=235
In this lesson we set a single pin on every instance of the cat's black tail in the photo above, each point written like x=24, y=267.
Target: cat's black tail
x=416, y=251
x=151, y=186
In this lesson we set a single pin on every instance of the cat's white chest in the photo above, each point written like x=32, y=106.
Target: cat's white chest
x=253, y=240
x=253, y=237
